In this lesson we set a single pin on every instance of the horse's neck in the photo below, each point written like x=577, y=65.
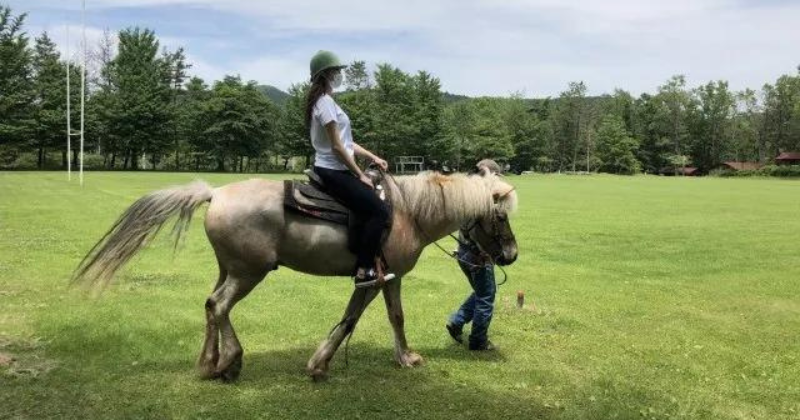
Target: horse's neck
x=435, y=225
x=433, y=230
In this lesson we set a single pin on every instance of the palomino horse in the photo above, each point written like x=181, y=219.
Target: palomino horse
x=252, y=234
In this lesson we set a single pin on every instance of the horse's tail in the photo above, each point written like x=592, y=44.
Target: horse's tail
x=140, y=222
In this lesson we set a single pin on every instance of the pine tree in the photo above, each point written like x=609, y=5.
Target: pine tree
x=615, y=147
x=16, y=85
x=49, y=107
x=142, y=108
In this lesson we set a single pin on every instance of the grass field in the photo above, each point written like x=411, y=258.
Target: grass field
x=646, y=298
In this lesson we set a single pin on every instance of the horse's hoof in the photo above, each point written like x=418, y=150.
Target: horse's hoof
x=231, y=373
x=417, y=360
x=207, y=365
x=410, y=359
x=207, y=372
x=318, y=375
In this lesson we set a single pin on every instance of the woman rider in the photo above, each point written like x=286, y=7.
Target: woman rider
x=332, y=138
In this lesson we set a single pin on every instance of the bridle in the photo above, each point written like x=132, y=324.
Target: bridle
x=496, y=240
x=476, y=223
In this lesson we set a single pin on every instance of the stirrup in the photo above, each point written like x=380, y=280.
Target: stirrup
x=371, y=279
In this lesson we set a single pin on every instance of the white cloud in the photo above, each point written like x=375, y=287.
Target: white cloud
x=73, y=48
x=204, y=69
x=68, y=39
x=279, y=71
x=496, y=47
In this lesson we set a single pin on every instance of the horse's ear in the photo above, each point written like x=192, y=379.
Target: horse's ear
x=501, y=191
x=496, y=195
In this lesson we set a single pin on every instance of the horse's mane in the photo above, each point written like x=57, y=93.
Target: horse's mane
x=461, y=196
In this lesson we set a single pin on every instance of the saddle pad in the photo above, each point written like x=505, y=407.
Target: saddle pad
x=306, y=191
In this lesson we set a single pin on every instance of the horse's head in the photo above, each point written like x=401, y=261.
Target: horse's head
x=492, y=232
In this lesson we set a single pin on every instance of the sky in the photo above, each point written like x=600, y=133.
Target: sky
x=475, y=47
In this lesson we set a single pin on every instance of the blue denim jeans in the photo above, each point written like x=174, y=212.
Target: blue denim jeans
x=479, y=305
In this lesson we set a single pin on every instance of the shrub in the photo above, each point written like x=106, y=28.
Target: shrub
x=787, y=171
x=781, y=170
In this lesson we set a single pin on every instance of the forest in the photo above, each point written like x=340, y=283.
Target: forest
x=146, y=111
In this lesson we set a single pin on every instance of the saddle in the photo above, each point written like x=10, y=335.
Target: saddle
x=310, y=199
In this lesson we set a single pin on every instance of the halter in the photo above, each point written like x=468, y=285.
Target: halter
x=494, y=238
x=476, y=223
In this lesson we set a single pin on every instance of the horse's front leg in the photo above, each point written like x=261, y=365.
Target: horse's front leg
x=394, y=309
x=317, y=366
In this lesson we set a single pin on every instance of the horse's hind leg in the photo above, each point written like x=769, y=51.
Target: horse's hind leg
x=317, y=366
x=233, y=289
x=209, y=355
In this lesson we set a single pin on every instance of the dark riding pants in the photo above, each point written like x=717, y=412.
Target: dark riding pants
x=366, y=205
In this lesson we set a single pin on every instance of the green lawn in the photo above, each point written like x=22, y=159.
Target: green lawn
x=646, y=298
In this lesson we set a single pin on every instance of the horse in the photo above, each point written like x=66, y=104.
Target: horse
x=252, y=234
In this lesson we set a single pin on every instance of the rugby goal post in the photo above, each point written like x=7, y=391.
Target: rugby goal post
x=70, y=133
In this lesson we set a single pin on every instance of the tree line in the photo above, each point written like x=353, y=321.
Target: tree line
x=145, y=111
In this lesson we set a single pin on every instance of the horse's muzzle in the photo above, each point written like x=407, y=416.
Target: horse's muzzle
x=507, y=257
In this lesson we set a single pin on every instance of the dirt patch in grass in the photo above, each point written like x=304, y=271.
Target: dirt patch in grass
x=24, y=357
x=6, y=360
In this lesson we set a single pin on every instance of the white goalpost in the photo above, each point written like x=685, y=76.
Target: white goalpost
x=70, y=133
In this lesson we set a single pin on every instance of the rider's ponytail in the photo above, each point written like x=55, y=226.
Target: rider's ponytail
x=319, y=86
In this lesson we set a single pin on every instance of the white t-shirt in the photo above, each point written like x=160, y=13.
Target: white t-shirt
x=325, y=111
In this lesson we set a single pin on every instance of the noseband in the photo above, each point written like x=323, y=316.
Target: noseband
x=496, y=239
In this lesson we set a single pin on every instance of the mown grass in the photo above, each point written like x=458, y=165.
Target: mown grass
x=646, y=298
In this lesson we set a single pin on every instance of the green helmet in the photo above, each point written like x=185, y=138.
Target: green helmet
x=324, y=60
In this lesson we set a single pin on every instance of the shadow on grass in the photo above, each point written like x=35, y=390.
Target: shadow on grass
x=140, y=372
x=144, y=371
x=455, y=352
x=274, y=383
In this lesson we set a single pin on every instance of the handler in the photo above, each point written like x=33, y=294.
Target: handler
x=479, y=269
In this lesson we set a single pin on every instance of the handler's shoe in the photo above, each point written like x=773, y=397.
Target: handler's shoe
x=370, y=279
x=485, y=346
x=455, y=332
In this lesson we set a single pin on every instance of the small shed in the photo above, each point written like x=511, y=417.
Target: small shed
x=788, y=158
x=681, y=170
x=740, y=166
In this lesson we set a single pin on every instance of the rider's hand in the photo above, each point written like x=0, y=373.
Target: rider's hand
x=381, y=163
x=365, y=179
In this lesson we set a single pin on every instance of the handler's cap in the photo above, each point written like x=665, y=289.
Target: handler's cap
x=490, y=165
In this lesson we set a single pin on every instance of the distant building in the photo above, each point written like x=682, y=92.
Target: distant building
x=740, y=166
x=788, y=158
x=685, y=171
